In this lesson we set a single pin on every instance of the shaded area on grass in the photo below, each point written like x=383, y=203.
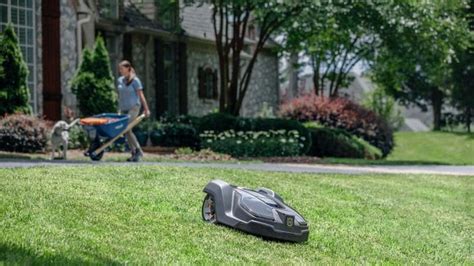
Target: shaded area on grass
x=14, y=255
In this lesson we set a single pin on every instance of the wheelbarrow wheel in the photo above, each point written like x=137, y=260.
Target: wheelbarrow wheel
x=95, y=156
x=209, y=209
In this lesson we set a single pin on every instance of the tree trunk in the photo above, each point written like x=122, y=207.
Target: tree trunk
x=316, y=75
x=293, y=73
x=468, y=119
x=437, y=103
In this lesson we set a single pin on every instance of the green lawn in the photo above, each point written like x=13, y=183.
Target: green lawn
x=150, y=214
x=424, y=148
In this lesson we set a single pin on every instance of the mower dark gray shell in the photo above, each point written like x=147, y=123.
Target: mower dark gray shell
x=260, y=212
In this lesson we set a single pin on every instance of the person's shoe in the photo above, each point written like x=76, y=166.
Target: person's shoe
x=131, y=159
x=138, y=155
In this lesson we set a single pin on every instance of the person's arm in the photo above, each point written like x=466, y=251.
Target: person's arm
x=146, y=110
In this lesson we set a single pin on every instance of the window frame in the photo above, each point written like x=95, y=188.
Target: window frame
x=207, y=83
x=29, y=43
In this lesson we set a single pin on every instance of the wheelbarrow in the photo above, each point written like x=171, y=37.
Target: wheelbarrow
x=104, y=129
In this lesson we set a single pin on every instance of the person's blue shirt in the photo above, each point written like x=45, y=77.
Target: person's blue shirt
x=128, y=95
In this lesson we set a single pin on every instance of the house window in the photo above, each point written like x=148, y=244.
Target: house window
x=109, y=9
x=207, y=83
x=21, y=13
x=251, y=32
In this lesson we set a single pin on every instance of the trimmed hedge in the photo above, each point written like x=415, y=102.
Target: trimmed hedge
x=328, y=142
x=343, y=114
x=174, y=135
x=23, y=133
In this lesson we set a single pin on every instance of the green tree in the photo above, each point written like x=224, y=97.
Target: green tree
x=463, y=86
x=418, y=46
x=14, y=91
x=384, y=106
x=93, y=83
x=463, y=75
x=231, y=20
x=335, y=36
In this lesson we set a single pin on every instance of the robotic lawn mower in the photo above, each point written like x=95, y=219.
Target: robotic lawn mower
x=260, y=212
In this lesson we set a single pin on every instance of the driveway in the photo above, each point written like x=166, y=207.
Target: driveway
x=272, y=167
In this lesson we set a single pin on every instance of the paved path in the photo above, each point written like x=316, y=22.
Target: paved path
x=281, y=167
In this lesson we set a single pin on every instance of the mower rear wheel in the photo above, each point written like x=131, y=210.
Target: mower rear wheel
x=209, y=209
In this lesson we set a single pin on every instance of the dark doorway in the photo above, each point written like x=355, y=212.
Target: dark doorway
x=171, y=91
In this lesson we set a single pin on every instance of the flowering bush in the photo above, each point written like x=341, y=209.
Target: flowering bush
x=23, y=133
x=220, y=122
x=344, y=114
x=254, y=143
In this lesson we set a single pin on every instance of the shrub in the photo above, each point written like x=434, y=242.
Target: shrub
x=254, y=144
x=219, y=122
x=329, y=142
x=78, y=138
x=181, y=119
x=142, y=132
x=14, y=91
x=343, y=114
x=174, y=135
x=23, y=133
x=385, y=107
x=93, y=83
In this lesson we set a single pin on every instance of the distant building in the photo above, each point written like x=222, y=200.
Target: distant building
x=173, y=51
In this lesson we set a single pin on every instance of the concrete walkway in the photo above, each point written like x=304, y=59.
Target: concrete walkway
x=272, y=167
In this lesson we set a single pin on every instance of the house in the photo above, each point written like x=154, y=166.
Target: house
x=171, y=46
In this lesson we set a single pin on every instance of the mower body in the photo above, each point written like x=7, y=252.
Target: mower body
x=260, y=212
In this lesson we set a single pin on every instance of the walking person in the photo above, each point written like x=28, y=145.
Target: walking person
x=131, y=99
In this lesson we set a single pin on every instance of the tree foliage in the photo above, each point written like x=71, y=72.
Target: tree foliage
x=408, y=45
x=335, y=36
x=14, y=91
x=418, y=46
x=93, y=83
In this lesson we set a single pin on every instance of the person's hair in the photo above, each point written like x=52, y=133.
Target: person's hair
x=127, y=64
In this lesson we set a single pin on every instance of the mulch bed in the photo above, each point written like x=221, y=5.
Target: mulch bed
x=296, y=159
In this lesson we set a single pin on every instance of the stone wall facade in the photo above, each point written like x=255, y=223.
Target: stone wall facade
x=199, y=55
x=69, y=60
x=143, y=53
x=263, y=92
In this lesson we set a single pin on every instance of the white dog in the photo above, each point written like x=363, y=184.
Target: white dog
x=60, y=137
